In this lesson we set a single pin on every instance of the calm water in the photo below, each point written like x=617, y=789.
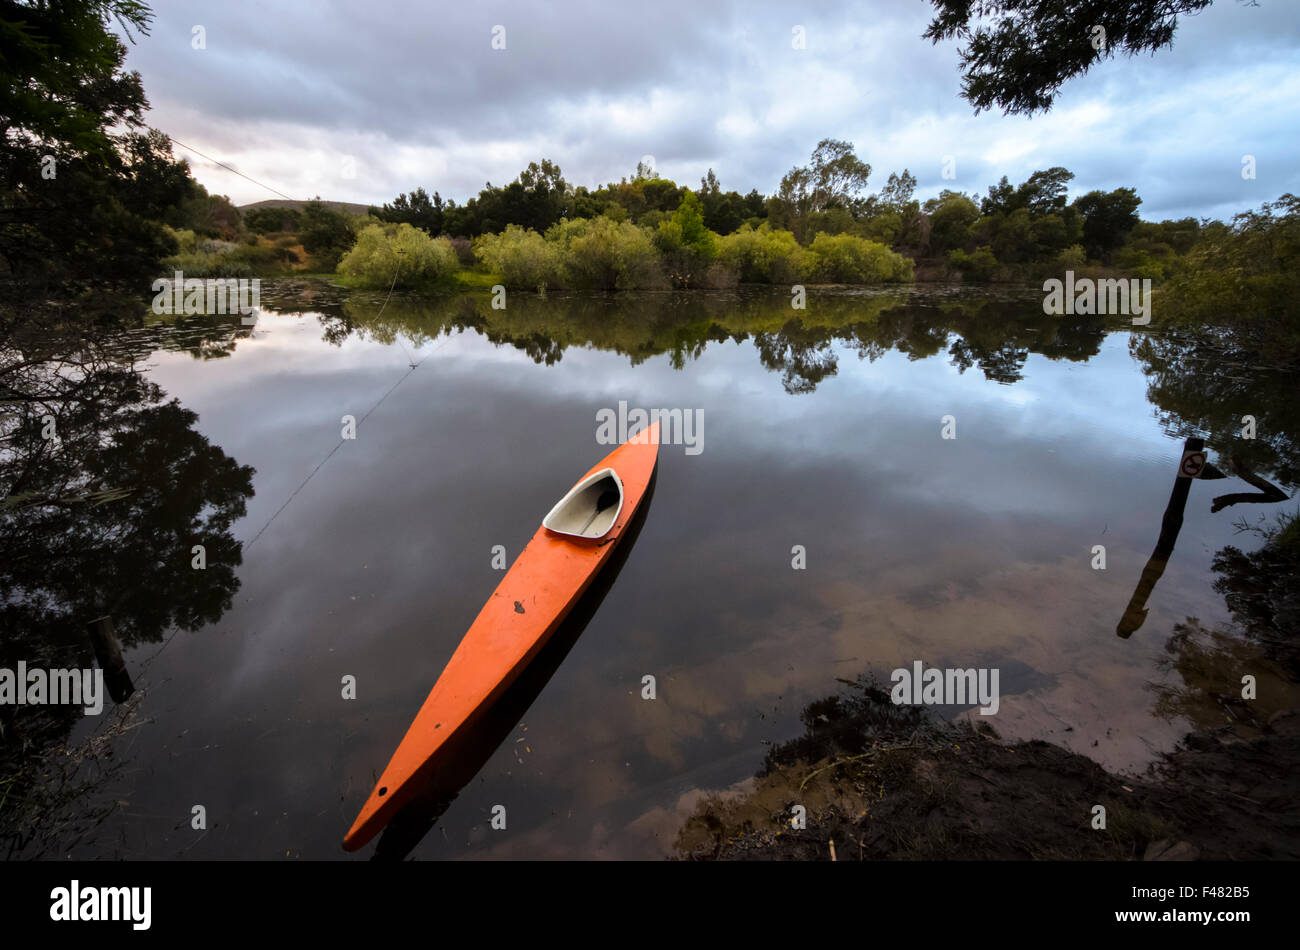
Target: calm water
x=370, y=557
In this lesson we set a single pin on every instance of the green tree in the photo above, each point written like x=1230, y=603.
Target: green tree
x=269, y=219
x=687, y=246
x=1043, y=192
x=1000, y=199
x=1018, y=53
x=951, y=217
x=398, y=256
x=834, y=178
x=326, y=234
x=1108, y=217
x=723, y=211
x=419, y=210
x=81, y=187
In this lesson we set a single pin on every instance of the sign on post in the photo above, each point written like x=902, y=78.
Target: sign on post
x=1192, y=463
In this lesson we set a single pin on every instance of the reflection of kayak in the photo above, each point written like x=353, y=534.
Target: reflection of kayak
x=574, y=542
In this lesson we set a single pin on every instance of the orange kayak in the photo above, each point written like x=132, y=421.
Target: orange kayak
x=574, y=542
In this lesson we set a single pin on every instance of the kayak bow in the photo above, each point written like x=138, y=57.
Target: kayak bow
x=574, y=542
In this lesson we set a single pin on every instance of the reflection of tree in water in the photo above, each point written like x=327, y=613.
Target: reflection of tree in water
x=1262, y=590
x=802, y=355
x=1210, y=664
x=1205, y=379
x=539, y=347
x=101, y=517
x=1001, y=364
x=995, y=335
x=999, y=339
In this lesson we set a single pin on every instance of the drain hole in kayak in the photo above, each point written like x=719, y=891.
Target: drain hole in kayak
x=384, y=790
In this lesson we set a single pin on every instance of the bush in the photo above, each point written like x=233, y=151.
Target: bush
x=326, y=234
x=524, y=259
x=1138, y=263
x=208, y=265
x=398, y=255
x=1072, y=258
x=600, y=254
x=980, y=266
x=186, y=241
x=761, y=255
x=844, y=258
x=686, y=245
x=226, y=259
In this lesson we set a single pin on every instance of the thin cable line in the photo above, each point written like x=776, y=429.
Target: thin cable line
x=228, y=168
x=321, y=464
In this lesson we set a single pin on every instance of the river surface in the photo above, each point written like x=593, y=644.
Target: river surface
x=822, y=433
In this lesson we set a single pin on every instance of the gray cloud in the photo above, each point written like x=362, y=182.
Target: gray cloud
x=415, y=95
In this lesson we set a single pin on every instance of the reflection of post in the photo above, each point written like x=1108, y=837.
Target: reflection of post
x=109, y=654
x=1136, y=611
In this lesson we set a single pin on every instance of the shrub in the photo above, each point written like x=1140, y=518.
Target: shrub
x=212, y=258
x=844, y=258
x=524, y=259
x=402, y=256
x=1072, y=258
x=980, y=266
x=1138, y=263
x=600, y=254
x=326, y=234
x=186, y=241
x=208, y=265
x=686, y=245
x=761, y=255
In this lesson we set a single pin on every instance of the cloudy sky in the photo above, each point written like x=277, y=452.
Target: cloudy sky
x=359, y=101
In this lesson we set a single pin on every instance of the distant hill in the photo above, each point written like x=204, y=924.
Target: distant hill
x=346, y=207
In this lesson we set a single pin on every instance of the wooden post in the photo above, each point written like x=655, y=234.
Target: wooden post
x=109, y=654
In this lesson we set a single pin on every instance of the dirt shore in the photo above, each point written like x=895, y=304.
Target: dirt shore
x=881, y=781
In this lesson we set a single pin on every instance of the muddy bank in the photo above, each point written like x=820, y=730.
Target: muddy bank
x=887, y=782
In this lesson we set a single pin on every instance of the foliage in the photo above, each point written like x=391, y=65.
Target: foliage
x=1108, y=217
x=537, y=199
x=69, y=110
x=1249, y=273
x=326, y=234
x=398, y=256
x=764, y=255
x=723, y=211
x=833, y=178
x=844, y=258
x=686, y=245
x=951, y=217
x=1072, y=258
x=1018, y=53
x=979, y=266
x=419, y=210
x=600, y=254
x=523, y=258
x=269, y=220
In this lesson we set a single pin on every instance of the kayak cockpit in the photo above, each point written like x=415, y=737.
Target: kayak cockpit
x=590, y=509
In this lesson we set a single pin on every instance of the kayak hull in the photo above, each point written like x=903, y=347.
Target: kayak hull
x=535, y=595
